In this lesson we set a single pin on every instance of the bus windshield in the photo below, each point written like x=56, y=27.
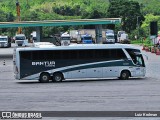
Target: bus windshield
x=109, y=31
x=20, y=38
x=139, y=60
x=65, y=38
x=136, y=57
x=110, y=37
x=3, y=39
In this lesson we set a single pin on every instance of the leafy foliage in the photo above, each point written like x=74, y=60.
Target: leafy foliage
x=3, y=16
x=150, y=6
x=129, y=11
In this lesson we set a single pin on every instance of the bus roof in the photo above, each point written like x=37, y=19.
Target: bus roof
x=77, y=46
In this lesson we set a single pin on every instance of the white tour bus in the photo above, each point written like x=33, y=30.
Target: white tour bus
x=58, y=63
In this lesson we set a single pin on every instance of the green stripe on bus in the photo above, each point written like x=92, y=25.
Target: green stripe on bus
x=105, y=64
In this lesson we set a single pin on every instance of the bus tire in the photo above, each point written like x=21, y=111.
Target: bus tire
x=44, y=78
x=125, y=75
x=57, y=77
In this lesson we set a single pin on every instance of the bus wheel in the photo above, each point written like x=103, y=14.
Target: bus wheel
x=44, y=77
x=124, y=75
x=57, y=77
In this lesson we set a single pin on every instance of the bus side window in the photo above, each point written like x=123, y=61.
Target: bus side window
x=82, y=54
x=90, y=54
x=105, y=54
x=57, y=55
x=99, y=54
x=26, y=55
x=121, y=54
x=49, y=55
x=113, y=54
x=35, y=55
x=73, y=54
x=65, y=54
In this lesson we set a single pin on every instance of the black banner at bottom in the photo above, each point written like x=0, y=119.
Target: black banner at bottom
x=40, y=114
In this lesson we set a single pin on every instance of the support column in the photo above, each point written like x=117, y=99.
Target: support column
x=38, y=33
x=98, y=32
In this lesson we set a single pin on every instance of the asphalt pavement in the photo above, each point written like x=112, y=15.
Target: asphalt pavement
x=141, y=94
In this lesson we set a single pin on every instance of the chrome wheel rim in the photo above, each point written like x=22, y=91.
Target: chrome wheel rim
x=45, y=78
x=57, y=78
x=124, y=75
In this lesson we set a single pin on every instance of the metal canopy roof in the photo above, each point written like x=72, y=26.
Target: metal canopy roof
x=61, y=22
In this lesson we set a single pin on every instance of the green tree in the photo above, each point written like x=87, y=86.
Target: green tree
x=30, y=16
x=129, y=11
x=10, y=17
x=146, y=24
x=3, y=17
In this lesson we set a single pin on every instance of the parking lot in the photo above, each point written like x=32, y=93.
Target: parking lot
x=83, y=95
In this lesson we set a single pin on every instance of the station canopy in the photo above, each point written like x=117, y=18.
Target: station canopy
x=61, y=22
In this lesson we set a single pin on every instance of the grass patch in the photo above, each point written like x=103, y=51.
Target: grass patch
x=146, y=42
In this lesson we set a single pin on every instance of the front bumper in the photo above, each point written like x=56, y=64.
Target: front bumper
x=3, y=45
